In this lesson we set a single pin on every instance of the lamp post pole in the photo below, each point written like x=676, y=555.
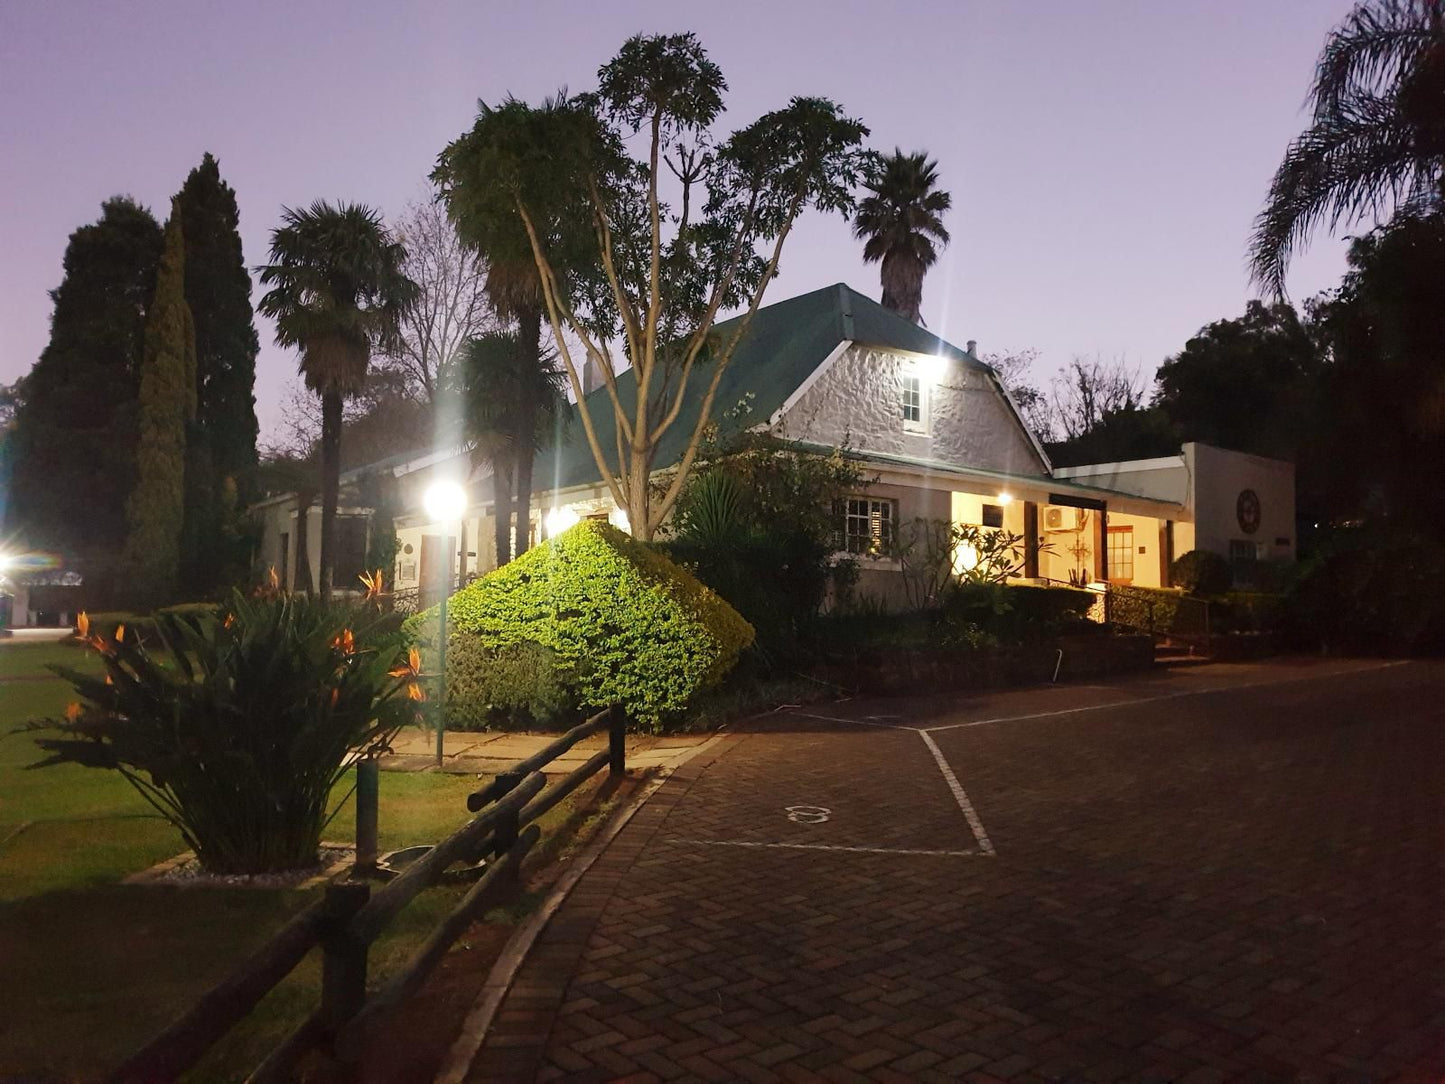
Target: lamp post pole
x=446, y=503
x=441, y=708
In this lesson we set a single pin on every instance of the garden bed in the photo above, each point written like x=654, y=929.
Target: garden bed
x=888, y=670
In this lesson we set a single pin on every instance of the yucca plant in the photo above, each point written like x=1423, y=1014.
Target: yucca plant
x=237, y=724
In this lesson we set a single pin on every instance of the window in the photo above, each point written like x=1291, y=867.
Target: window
x=350, y=560
x=1121, y=554
x=993, y=515
x=911, y=402
x=1244, y=556
x=866, y=526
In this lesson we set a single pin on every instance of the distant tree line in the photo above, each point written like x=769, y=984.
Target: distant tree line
x=148, y=377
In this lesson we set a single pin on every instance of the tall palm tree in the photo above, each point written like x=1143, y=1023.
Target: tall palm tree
x=515, y=292
x=512, y=402
x=899, y=224
x=1376, y=138
x=337, y=292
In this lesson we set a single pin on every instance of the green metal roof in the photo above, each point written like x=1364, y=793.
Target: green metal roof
x=785, y=343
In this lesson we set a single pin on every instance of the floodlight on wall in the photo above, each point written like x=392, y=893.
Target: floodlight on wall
x=1005, y=498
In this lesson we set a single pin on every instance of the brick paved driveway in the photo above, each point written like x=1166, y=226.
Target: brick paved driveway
x=1234, y=874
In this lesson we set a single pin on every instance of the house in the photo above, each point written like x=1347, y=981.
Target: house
x=933, y=427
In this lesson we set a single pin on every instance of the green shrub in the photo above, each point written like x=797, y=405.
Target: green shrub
x=1201, y=572
x=1373, y=596
x=756, y=524
x=1150, y=609
x=628, y=625
x=236, y=722
x=519, y=687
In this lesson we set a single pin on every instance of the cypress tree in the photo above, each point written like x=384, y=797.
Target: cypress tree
x=221, y=443
x=156, y=507
x=72, y=448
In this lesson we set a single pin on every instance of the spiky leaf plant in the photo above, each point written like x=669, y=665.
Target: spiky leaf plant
x=236, y=724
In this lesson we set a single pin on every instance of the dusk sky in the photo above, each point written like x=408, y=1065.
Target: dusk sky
x=1106, y=159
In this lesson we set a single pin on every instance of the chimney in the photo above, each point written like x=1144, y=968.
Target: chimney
x=972, y=348
x=591, y=378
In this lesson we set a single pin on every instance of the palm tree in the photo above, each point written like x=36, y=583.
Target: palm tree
x=512, y=402
x=1377, y=136
x=337, y=293
x=515, y=291
x=900, y=222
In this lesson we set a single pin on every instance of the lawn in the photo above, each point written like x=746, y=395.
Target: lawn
x=94, y=967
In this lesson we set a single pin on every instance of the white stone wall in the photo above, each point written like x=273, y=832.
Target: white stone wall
x=968, y=423
x=1219, y=478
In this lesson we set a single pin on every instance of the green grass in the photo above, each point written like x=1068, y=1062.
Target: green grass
x=93, y=968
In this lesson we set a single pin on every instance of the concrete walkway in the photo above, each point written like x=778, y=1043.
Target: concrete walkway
x=488, y=753
x=1231, y=873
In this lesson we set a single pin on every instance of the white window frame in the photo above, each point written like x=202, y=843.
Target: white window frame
x=911, y=379
x=880, y=515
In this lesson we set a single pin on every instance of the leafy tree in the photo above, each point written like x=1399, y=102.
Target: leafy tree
x=156, y=508
x=650, y=278
x=1376, y=137
x=1100, y=411
x=73, y=444
x=497, y=375
x=1245, y=384
x=899, y=224
x=337, y=292
x=450, y=305
x=1386, y=386
x=221, y=443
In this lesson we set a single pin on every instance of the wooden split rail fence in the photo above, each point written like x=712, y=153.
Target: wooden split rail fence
x=349, y=917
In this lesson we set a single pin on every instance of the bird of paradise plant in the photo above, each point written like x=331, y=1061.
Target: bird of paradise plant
x=236, y=724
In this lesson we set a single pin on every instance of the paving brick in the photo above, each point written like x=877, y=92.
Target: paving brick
x=1237, y=885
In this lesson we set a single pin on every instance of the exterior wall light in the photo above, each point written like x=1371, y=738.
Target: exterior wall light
x=1005, y=498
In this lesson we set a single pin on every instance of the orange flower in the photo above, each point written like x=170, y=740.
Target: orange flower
x=411, y=668
x=273, y=580
x=120, y=634
x=346, y=642
x=72, y=711
x=373, y=584
x=82, y=625
x=415, y=691
x=230, y=620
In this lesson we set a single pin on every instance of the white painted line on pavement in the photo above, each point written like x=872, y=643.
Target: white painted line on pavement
x=1157, y=699
x=969, y=813
x=824, y=847
x=860, y=722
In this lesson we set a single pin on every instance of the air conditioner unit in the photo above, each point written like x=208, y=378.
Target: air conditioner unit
x=1062, y=519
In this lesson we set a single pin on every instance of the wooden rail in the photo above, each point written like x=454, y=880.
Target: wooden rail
x=349, y=918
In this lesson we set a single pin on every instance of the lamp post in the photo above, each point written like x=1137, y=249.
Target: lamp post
x=445, y=502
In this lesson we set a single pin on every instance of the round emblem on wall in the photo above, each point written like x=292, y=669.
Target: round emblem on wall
x=1246, y=510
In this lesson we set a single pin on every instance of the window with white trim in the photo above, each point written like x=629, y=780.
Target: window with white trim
x=913, y=401
x=1121, y=554
x=866, y=526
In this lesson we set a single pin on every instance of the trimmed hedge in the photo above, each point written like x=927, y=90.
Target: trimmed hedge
x=627, y=625
x=512, y=688
x=1202, y=572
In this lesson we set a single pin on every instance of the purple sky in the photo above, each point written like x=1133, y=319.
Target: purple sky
x=1106, y=158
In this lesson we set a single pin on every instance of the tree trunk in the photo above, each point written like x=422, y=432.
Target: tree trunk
x=529, y=336
x=639, y=514
x=502, y=507
x=330, y=483
x=303, y=545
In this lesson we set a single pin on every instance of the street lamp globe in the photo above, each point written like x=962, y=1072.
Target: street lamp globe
x=445, y=500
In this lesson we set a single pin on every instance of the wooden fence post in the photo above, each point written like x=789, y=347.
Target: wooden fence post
x=616, y=742
x=368, y=785
x=343, y=968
